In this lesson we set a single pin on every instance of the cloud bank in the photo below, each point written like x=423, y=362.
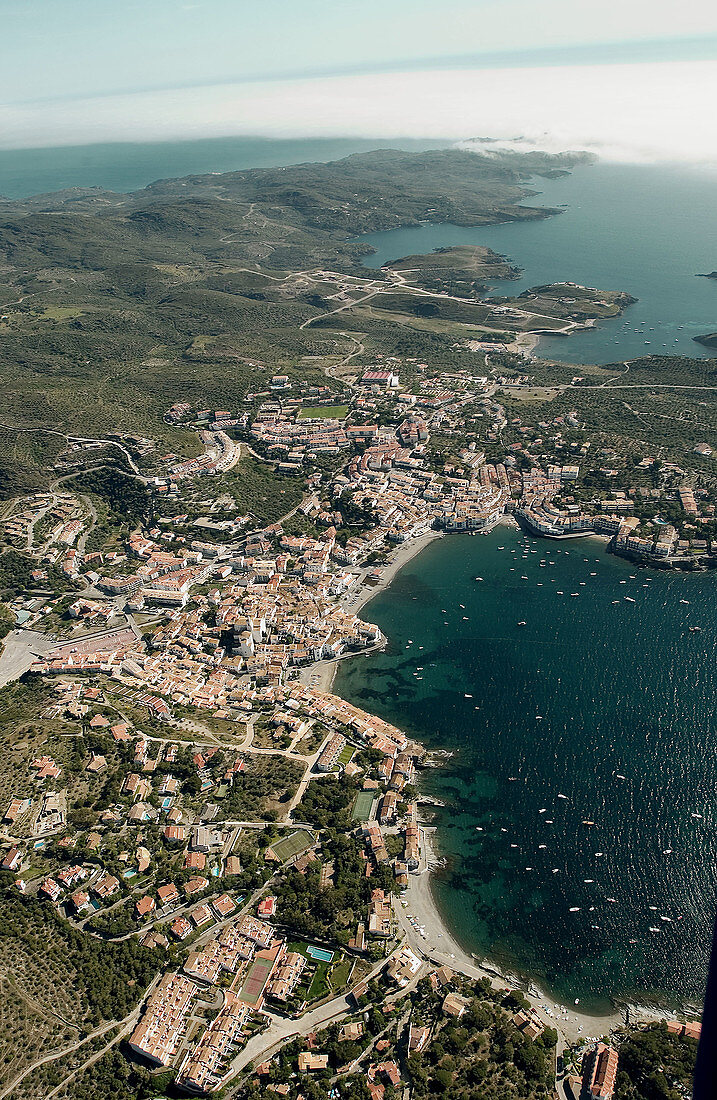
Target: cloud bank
x=646, y=112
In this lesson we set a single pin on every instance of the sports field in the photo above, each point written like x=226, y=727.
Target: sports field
x=291, y=845
x=362, y=806
x=255, y=981
x=324, y=412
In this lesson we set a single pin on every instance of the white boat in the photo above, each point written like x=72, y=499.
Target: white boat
x=575, y=909
x=629, y=599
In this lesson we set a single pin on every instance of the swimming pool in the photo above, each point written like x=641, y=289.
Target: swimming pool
x=320, y=953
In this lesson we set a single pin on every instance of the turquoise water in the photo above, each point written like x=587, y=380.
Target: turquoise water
x=128, y=166
x=587, y=691
x=646, y=230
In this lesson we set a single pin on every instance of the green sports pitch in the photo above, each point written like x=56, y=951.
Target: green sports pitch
x=292, y=845
x=324, y=412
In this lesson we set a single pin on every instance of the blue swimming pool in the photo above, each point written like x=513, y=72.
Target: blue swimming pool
x=320, y=953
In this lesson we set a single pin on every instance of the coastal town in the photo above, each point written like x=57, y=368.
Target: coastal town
x=201, y=791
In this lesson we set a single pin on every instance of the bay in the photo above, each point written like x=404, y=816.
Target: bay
x=646, y=229
x=593, y=688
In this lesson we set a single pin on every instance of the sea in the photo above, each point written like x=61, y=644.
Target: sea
x=128, y=166
x=597, y=709
x=649, y=230
x=580, y=821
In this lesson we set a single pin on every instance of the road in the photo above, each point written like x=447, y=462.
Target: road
x=281, y=1029
x=127, y=1023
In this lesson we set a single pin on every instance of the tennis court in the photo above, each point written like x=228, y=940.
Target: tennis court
x=292, y=845
x=256, y=979
x=362, y=806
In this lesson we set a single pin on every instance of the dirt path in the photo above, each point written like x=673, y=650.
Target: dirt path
x=128, y=1022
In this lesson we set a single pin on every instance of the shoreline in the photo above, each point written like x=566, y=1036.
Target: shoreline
x=322, y=674
x=441, y=947
x=437, y=942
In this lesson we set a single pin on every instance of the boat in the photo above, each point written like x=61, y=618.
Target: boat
x=588, y=822
x=466, y=695
x=629, y=599
x=574, y=593
x=575, y=909
x=522, y=623
x=613, y=901
x=562, y=796
x=695, y=630
x=479, y=578
x=684, y=601
x=653, y=929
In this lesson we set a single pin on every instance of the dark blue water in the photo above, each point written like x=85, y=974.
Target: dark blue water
x=646, y=230
x=587, y=691
x=131, y=165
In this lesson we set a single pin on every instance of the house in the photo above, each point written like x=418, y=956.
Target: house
x=266, y=908
x=12, y=860
x=106, y=887
x=599, y=1070
x=143, y=857
x=195, y=861
x=455, y=1005
x=201, y=914
x=168, y=894
x=96, y=764
x=417, y=1038
x=309, y=1062
x=379, y=915
x=223, y=906
x=403, y=967
x=195, y=885
x=181, y=928
x=51, y=889
x=145, y=906
x=174, y=834
x=79, y=900
x=351, y=1032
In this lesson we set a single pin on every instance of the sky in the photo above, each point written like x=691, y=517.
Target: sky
x=635, y=77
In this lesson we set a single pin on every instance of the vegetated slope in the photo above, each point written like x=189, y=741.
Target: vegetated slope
x=112, y=307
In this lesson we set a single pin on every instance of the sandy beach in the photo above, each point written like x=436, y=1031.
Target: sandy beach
x=417, y=912
x=429, y=936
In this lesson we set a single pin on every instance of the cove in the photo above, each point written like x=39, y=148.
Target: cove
x=597, y=710
x=645, y=230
